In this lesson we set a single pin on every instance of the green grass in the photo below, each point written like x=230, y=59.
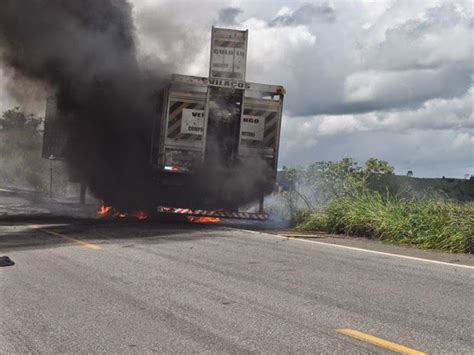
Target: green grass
x=440, y=225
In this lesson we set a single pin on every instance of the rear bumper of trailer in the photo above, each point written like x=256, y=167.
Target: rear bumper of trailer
x=211, y=213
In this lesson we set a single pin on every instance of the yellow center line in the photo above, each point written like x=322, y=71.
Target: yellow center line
x=380, y=342
x=77, y=241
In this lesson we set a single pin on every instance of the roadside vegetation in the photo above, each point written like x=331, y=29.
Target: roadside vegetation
x=20, y=150
x=21, y=164
x=335, y=197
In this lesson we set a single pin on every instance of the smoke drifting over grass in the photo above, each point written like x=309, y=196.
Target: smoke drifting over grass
x=85, y=52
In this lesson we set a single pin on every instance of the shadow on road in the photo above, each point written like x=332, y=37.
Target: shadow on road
x=25, y=232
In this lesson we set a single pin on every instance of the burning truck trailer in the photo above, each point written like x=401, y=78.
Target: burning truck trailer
x=216, y=147
x=214, y=141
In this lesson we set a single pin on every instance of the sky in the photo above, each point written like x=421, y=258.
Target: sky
x=386, y=79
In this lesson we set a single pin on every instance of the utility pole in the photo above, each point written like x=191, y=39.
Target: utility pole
x=51, y=158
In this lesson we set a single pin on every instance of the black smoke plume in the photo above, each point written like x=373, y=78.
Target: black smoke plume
x=85, y=51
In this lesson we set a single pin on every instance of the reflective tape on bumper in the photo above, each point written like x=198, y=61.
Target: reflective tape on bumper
x=210, y=213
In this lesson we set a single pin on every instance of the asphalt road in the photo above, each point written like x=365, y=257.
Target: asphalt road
x=112, y=287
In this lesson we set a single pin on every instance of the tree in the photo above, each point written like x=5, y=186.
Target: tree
x=16, y=119
x=322, y=181
x=377, y=166
x=20, y=150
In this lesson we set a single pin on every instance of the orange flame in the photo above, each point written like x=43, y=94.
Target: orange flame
x=103, y=210
x=203, y=219
x=140, y=215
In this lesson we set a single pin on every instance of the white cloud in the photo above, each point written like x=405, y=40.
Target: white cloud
x=437, y=114
x=442, y=35
x=284, y=11
x=389, y=89
x=268, y=50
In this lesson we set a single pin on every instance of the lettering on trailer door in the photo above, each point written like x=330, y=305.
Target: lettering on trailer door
x=252, y=127
x=176, y=126
x=267, y=134
x=192, y=121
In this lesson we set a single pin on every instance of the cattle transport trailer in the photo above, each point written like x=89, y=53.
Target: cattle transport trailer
x=227, y=137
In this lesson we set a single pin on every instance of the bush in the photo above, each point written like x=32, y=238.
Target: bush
x=441, y=225
x=20, y=159
x=312, y=187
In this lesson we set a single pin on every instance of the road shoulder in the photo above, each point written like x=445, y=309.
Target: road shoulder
x=374, y=245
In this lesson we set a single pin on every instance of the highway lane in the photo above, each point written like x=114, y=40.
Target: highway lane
x=142, y=288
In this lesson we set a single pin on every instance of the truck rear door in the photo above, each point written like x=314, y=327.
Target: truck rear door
x=260, y=127
x=183, y=128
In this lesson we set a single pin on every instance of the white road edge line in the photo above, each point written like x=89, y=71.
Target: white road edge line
x=358, y=249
